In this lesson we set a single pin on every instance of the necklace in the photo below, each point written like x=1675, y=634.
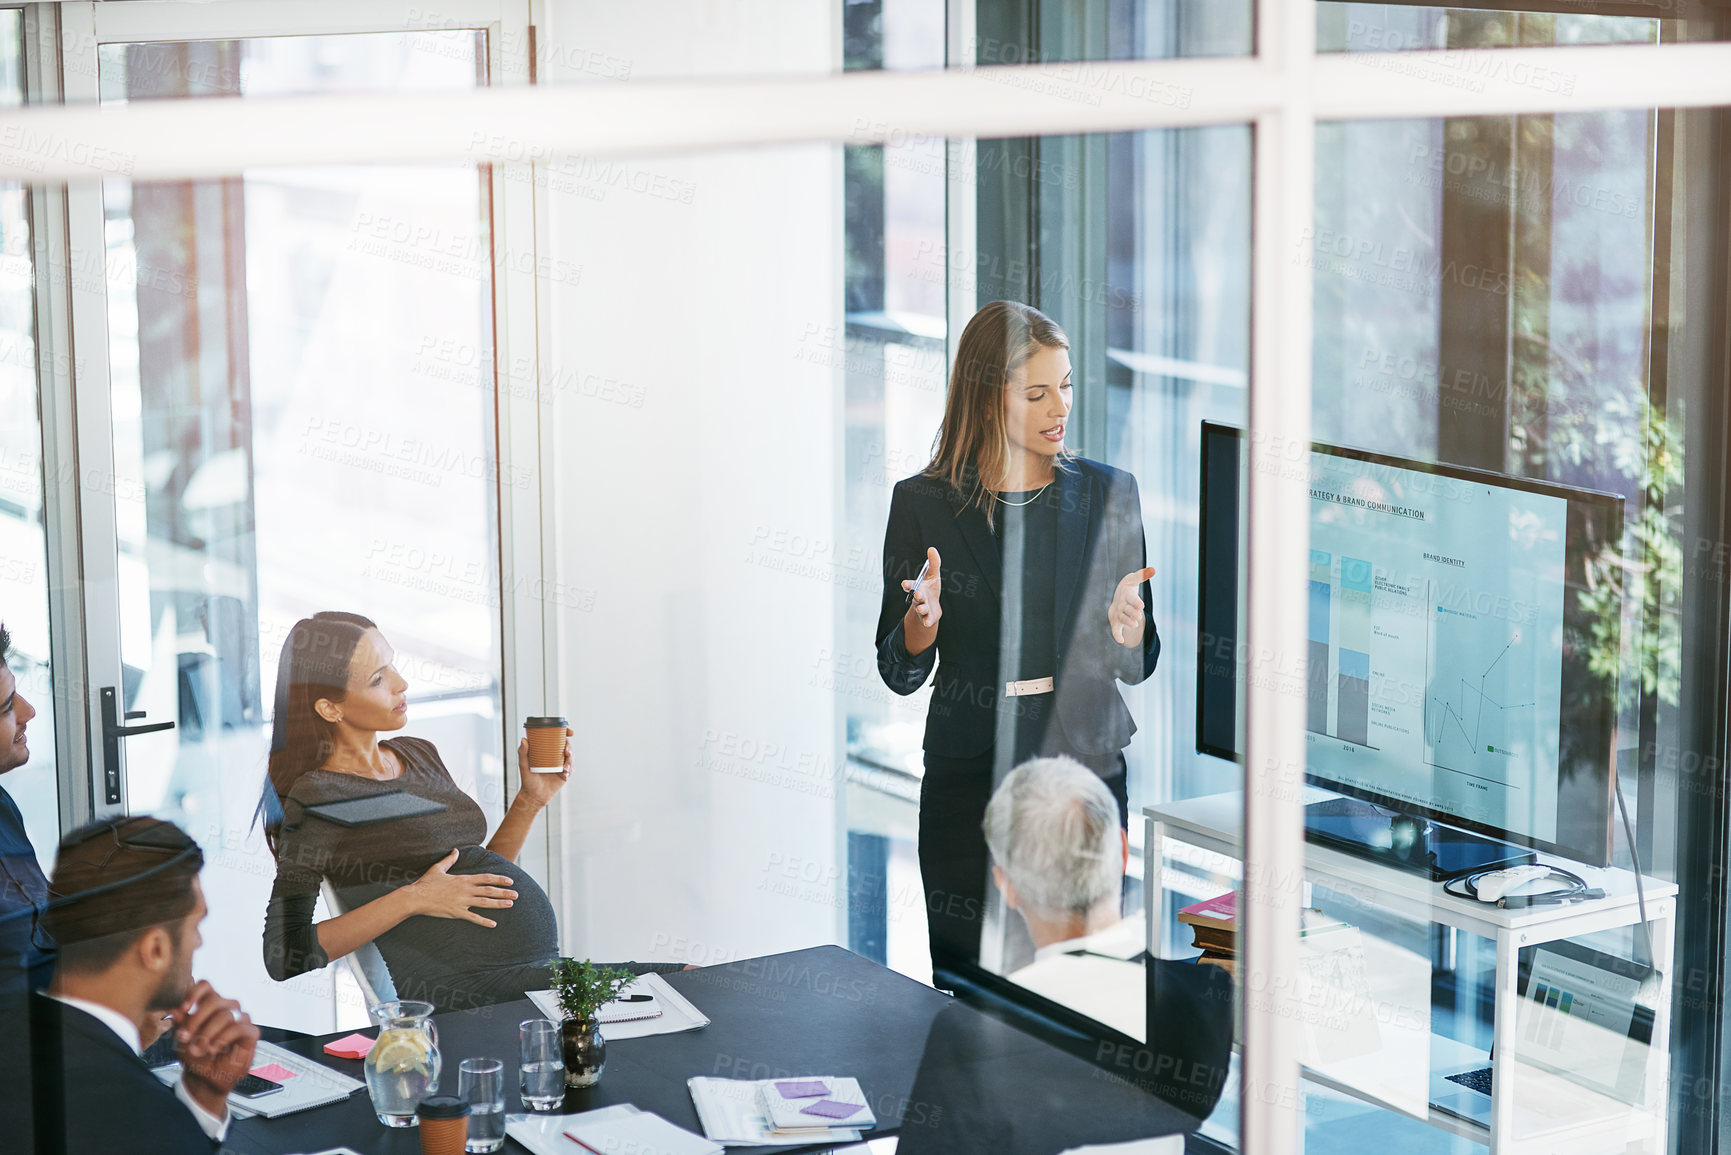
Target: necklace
x=1030, y=501
x=368, y=772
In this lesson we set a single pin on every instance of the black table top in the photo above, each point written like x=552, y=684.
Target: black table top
x=931, y=1068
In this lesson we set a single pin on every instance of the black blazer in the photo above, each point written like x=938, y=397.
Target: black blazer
x=1099, y=541
x=80, y=1089
x=984, y=1086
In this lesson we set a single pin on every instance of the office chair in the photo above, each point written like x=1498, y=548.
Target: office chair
x=364, y=962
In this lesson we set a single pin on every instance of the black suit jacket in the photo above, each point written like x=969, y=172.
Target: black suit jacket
x=984, y=1085
x=26, y=950
x=73, y=1088
x=1099, y=541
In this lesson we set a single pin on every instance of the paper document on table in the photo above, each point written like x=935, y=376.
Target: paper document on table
x=1165, y=1145
x=544, y=1134
x=308, y=1084
x=731, y=1111
x=677, y=1013
x=644, y=1133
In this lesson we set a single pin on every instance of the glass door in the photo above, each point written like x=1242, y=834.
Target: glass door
x=301, y=417
x=24, y=587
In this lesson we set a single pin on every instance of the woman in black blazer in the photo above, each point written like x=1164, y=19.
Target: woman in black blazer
x=1032, y=606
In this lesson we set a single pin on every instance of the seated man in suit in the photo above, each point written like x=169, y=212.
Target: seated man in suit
x=26, y=950
x=125, y=907
x=1058, y=857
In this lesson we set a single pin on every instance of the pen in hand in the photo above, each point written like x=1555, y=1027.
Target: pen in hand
x=919, y=581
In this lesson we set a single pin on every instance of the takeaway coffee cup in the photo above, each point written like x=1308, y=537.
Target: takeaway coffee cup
x=444, y=1125
x=546, y=744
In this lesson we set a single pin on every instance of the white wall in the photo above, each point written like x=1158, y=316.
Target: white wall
x=695, y=366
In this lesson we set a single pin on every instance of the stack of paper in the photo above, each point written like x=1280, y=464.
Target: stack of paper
x=668, y=1012
x=305, y=1084
x=621, y=1130
x=816, y=1104
x=732, y=1112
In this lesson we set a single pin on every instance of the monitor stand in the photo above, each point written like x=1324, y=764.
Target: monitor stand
x=1403, y=841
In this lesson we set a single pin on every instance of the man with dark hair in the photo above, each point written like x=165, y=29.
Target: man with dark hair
x=26, y=950
x=125, y=907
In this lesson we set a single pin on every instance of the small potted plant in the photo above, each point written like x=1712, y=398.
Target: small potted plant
x=582, y=988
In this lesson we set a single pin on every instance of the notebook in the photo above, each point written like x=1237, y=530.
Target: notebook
x=544, y=1134
x=731, y=1111
x=644, y=1133
x=671, y=1012
x=306, y=1084
x=815, y=1103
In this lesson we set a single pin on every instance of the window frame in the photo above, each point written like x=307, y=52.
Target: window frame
x=1281, y=92
x=73, y=312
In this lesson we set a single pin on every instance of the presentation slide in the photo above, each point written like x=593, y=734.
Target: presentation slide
x=1435, y=641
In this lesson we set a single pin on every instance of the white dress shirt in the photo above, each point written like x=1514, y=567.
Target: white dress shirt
x=213, y=1125
x=1094, y=974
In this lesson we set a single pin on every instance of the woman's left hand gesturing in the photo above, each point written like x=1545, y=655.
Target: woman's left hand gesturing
x=1125, y=615
x=540, y=788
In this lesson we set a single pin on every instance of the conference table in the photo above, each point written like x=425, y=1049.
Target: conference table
x=938, y=1074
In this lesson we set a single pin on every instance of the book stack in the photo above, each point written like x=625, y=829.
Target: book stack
x=780, y=1112
x=1214, y=929
x=815, y=1105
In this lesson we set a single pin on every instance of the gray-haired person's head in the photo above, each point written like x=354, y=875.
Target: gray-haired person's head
x=1052, y=827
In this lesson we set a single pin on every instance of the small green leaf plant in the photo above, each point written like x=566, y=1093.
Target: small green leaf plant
x=582, y=987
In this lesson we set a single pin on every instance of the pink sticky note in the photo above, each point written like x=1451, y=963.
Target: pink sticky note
x=275, y=1072
x=350, y=1047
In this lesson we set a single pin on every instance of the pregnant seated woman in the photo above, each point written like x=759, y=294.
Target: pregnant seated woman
x=458, y=922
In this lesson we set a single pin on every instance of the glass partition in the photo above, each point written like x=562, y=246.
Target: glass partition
x=303, y=419
x=746, y=372
x=24, y=588
x=1489, y=303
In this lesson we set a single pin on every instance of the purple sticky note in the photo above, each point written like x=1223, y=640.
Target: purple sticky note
x=831, y=1109
x=803, y=1089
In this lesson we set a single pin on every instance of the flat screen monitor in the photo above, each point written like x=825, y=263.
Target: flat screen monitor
x=1463, y=641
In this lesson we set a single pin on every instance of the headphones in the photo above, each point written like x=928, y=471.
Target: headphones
x=1575, y=889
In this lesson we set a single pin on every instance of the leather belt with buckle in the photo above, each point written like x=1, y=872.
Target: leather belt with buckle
x=1031, y=686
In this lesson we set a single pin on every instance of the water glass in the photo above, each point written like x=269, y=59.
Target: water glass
x=543, y=1065
x=481, y=1084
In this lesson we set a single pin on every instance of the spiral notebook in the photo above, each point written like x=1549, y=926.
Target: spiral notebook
x=666, y=1013
x=306, y=1084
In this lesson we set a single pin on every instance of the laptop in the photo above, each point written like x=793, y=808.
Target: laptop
x=1582, y=1015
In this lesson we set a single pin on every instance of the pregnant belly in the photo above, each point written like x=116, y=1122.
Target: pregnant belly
x=428, y=948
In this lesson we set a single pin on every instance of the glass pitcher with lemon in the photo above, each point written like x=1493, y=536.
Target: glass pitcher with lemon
x=403, y=1066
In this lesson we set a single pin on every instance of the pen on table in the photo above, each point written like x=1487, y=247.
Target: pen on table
x=579, y=1142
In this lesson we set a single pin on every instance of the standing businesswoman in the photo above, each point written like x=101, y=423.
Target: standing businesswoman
x=1033, y=603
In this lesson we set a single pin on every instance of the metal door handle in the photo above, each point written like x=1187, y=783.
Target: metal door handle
x=112, y=733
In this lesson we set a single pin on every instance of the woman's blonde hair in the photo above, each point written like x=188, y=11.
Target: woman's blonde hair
x=972, y=451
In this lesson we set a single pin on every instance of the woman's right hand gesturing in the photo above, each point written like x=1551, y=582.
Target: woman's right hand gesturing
x=445, y=895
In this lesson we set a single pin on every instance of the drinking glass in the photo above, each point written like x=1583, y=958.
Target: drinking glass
x=543, y=1065
x=481, y=1083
